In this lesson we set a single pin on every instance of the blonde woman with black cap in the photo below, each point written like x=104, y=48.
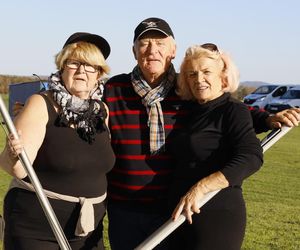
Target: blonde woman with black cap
x=64, y=132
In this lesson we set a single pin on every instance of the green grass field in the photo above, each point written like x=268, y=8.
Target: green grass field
x=272, y=196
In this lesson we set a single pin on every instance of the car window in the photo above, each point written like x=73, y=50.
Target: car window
x=280, y=91
x=264, y=89
x=291, y=94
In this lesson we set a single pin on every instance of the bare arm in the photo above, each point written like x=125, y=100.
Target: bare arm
x=31, y=122
x=107, y=117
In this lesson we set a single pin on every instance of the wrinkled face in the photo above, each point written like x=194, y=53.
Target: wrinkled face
x=154, y=52
x=79, y=78
x=204, y=79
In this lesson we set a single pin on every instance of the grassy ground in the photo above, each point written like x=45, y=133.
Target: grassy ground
x=272, y=196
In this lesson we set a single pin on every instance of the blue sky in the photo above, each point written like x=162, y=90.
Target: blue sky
x=262, y=36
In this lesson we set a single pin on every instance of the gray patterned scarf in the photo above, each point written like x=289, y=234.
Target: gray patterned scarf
x=87, y=116
x=151, y=98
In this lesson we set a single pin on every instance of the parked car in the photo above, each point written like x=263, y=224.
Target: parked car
x=264, y=95
x=290, y=99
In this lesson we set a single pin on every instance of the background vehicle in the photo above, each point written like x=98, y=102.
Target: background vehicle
x=290, y=99
x=264, y=95
x=19, y=92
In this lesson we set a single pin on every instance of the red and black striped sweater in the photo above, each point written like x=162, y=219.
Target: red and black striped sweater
x=138, y=178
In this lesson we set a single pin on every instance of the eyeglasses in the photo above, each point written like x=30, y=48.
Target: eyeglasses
x=73, y=64
x=210, y=46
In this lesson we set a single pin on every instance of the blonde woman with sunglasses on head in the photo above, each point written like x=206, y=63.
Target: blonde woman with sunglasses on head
x=218, y=149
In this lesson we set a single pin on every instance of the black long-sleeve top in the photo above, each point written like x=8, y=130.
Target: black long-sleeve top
x=218, y=136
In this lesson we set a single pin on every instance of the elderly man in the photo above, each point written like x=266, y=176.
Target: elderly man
x=145, y=113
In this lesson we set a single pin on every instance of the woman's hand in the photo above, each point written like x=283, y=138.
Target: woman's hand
x=189, y=203
x=9, y=160
x=289, y=117
x=15, y=145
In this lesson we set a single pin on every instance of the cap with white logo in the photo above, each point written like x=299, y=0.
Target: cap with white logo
x=152, y=23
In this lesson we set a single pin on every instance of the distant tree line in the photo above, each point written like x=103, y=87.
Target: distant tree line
x=5, y=80
x=242, y=91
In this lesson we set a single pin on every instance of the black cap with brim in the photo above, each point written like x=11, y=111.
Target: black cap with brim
x=99, y=41
x=152, y=23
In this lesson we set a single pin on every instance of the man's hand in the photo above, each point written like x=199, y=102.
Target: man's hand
x=289, y=117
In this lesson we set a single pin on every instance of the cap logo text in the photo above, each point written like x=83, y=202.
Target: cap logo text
x=150, y=24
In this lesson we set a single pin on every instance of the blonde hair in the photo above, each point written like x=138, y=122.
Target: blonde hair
x=230, y=74
x=84, y=52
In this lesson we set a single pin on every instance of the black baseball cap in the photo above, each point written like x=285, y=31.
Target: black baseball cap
x=152, y=23
x=99, y=41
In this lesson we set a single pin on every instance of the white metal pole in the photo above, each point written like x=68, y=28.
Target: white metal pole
x=168, y=227
x=274, y=136
x=52, y=219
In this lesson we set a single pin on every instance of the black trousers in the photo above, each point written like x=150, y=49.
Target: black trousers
x=211, y=230
x=220, y=225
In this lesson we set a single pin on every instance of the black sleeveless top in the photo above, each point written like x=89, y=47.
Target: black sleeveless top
x=69, y=165
x=65, y=164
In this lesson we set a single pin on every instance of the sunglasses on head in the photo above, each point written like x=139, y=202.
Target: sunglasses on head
x=210, y=46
